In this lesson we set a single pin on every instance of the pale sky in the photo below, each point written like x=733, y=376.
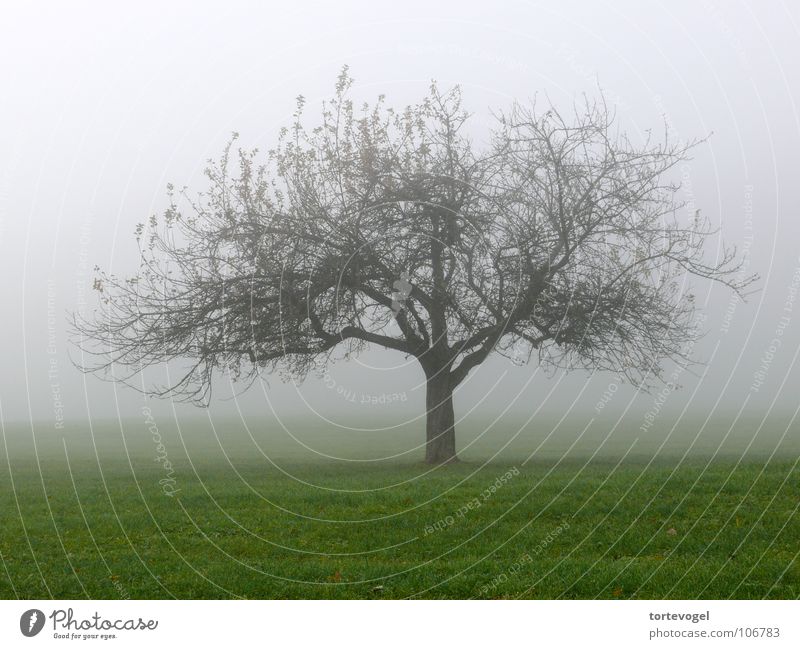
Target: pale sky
x=101, y=107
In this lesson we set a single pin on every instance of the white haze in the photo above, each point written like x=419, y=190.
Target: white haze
x=102, y=106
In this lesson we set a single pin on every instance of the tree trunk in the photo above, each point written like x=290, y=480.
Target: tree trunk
x=440, y=445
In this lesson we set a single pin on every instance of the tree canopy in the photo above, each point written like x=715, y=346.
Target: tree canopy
x=557, y=239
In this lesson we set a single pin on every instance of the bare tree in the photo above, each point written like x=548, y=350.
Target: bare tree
x=558, y=239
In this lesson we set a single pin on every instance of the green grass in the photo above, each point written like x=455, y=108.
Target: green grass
x=89, y=519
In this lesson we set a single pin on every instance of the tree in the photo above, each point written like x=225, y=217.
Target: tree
x=558, y=239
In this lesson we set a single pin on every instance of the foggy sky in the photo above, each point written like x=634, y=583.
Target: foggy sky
x=100, y=108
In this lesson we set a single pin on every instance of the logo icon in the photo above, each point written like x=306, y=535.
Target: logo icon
x=31, y=622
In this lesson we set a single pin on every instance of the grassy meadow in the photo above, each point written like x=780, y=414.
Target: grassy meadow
x=145, y=509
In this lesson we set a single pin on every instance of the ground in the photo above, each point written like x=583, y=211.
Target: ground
x=109, y=518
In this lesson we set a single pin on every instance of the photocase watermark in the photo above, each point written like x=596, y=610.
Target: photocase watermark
x=658, y=403
x=520, y=352
x=524, y=559
x=686, y=186
x=472, y=504
x=67, y=626
x=771, y=351
x=123, y=592
x=168, y=483
x=606, y=397
x=402, y=291
x=521, y=349
x=551, y=536
x=82, y=273
x=747, y=243
x=52, y=353
x=362, y=398
x=499, y=482
x=714, y=11
x=504, y=576
x=669, y=386
x=31, y=622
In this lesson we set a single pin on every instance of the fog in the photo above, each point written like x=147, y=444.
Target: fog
x=101, y=108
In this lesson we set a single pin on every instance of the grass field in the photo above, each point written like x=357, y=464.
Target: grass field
x=107, y=513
